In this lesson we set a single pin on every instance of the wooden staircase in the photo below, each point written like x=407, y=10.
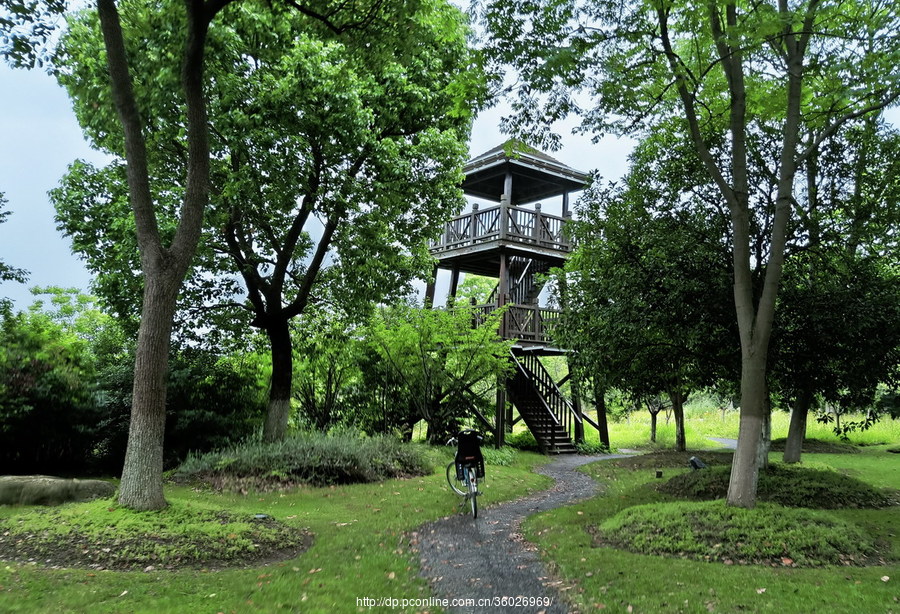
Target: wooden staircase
x=545, y=410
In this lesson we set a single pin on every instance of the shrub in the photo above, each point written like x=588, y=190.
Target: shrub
x=504, y=457
x=591, y=447
x=313, y=458
x=713, y=531
x=524, y=441
x=783, y=484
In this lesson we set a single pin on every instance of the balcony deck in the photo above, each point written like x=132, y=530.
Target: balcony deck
x=513, y=229
x=529, y=325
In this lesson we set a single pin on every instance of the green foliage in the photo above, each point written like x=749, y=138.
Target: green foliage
x=786, y=485
x=28, y=27
x=504, y=457
x=66, y=377
x=211, y=401
x=182, y=535
x=647, y=288
x=437, y=359
x=523, y=440
x=312, y=458
x=48, y=409
x=591, y=447
x=309, y=129
x=713, y=531
x=326, y=371
x=7, y=272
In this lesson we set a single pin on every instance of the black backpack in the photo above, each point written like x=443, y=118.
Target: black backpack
x=468, y=453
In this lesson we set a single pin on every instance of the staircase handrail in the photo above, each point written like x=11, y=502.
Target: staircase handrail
x=521, y=368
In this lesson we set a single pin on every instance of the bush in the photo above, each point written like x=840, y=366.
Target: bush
x=783, y=484
x=48, y=411
x=504, y=457
x=524, y=441
x=712, y=531
x=313, y=458
x=591, y=447
x=210, y=404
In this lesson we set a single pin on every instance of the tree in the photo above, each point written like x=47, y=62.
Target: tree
x=295, y=209
x=645, y=287
x=838, y=336
x=7, y=272
x=440, y=358
x=166, y=253
x=731, y=71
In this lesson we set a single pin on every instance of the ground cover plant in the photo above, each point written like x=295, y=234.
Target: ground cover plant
x=364, y=546
x=786, y=485
x=712, y=531
x=103, y=535
x=310, y=458
x=596, y=577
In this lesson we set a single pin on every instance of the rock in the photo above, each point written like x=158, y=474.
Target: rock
x=49, y=490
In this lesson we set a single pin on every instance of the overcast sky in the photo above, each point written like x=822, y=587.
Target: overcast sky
x=39, y=138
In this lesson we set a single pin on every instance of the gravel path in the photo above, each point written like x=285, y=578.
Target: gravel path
x=730, y=444
x=487, y=559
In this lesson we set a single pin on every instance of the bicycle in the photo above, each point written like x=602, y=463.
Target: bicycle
x=467, y=468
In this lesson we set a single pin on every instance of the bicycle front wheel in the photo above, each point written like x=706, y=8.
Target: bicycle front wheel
x=473, y=491
x=455, y=485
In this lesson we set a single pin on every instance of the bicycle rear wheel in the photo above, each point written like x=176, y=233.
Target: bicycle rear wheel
x=456, y=486
x=473, y=491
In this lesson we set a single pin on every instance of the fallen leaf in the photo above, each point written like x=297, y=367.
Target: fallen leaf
x=787, y=561
x=123, y=593
x=885, y=578
x=760, y=591
x=392, y=575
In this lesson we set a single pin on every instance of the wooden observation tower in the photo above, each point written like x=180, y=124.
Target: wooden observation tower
x=514, y=240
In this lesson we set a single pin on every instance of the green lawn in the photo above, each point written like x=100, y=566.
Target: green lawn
x=598, y=578
x=362, y=548
x=702, y=422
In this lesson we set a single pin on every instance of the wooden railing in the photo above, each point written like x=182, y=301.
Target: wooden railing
x=556, y=404
x=504, y=222
x=528, y=323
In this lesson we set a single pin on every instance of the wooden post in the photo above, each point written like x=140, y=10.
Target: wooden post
x=502, y=292
x=454, y=284
x=505, y=203
x=500, y=414
x=429, y=289
x=536, y=228
x=576, y=405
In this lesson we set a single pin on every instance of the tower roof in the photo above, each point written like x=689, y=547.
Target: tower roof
x=535, y=174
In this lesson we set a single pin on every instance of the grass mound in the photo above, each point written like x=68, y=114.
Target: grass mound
x=711, y=531
x=818, y=446
x=668, y=458
x=786, y=485
x=102, y=535
x=311, y=459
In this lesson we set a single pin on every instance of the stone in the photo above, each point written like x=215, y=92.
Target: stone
x=49, y=490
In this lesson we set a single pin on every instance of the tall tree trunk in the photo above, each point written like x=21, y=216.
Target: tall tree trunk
x=600, y=404
x=678, y=411
x=744, y=468
x=163, y=267
x=141, y=486
x=278, y=411
x=653, y=415
x=765, y=437
x=793, y=448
